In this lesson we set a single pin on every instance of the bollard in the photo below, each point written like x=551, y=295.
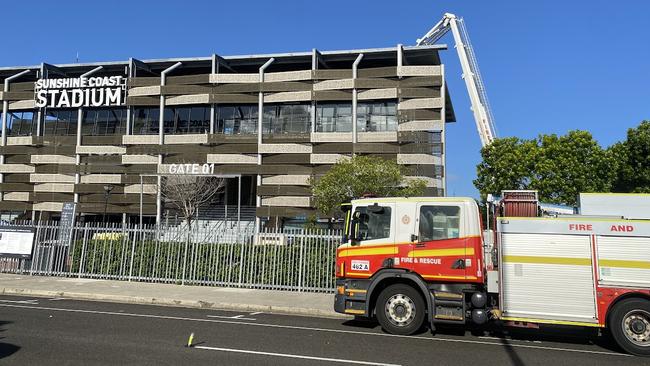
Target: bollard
x=189, y=340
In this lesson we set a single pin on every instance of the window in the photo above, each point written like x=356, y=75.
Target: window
x=236, y=119
x=372, y=224
x=286, y=118
x=60, y=122
x=376, y=117
x=334, y=117
x=184, y=120
x=145, y=121
x=439, y=222
x=21, y=123
x=103, y=122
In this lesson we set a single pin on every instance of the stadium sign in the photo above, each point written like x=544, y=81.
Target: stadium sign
x=101, y=91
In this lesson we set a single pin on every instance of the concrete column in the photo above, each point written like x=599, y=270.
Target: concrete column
x=260, y=118
x=5, y=110
x=355, y=66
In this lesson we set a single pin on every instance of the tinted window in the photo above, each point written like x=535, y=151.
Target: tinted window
x=286, y=118
x=236, y=119
x=21, y=123
x=334, y=117
x=102, y=122
x=60, y=122
x=145, y=121
x=377, y=116
x=184, y=120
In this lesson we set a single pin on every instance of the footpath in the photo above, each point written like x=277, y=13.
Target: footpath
x=272, y=301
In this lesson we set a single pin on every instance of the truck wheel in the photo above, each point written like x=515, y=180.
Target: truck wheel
x=400, y=309
x=629, y=324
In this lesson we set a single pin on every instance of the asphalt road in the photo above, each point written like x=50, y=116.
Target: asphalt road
x=42, y=331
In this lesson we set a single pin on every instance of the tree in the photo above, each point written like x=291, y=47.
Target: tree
x=558, y=167
x=360, y=175
x=570, y=164
x=633, y=155
x=507, y=164
x=189, y=192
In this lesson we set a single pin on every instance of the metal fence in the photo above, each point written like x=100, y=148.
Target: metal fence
x=217, y=255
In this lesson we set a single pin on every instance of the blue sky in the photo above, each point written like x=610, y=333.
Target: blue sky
x=549, y=66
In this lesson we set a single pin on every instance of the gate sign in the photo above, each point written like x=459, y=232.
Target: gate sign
x=100, y=91
x=190, y=169
x=16, y=241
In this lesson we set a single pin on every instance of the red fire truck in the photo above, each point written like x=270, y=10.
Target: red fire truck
x=413, y=261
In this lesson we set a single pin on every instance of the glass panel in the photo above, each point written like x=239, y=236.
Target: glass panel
x=145, y=121
x=377, y=116
x=60, y=122
x=199, y=121
x=103, y=122
x=439, y=222
x=236, y=119
x=21, y=123
x=334, y=117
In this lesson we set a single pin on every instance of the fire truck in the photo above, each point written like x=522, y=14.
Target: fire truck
x=416, y=261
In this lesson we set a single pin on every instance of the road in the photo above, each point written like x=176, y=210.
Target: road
x=54, y=331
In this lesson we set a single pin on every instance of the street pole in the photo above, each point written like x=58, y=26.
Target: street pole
x=107, y=192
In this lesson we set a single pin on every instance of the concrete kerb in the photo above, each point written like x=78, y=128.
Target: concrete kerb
x=178, y=303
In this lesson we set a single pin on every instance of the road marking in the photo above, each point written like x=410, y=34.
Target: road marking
x=339, y=360
x=57, y=298
x=342, y=331
x=30, y=302
x=256, y=313
x=240, y=317
x=506, y=339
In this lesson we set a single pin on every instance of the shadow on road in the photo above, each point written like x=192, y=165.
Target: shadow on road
x=6, y=349
x=556, y=334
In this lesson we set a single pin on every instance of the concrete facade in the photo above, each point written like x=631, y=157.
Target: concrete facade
x=41, y=166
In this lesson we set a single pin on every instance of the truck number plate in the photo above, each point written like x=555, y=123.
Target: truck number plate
x=360, y=265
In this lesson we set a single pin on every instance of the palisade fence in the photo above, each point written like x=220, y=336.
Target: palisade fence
x=214, y=255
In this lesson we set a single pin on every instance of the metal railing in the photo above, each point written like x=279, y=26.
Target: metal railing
x=217, y=255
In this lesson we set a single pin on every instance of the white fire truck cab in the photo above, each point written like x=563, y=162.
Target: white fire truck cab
x=411, y=261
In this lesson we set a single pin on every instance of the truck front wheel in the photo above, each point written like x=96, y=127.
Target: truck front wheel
x=629, y=324
x=400, y=309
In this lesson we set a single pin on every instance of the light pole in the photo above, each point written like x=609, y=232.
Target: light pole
x=107, y=192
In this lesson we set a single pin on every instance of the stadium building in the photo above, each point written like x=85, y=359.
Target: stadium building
x=97, y=134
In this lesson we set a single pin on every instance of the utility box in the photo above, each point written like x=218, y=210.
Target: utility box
x=627, y=205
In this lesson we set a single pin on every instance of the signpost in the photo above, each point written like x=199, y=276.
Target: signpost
x=67, y=223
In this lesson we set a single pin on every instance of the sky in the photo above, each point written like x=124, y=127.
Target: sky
x=549, y=66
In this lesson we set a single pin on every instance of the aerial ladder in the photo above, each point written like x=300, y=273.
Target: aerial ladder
x=471, y=75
